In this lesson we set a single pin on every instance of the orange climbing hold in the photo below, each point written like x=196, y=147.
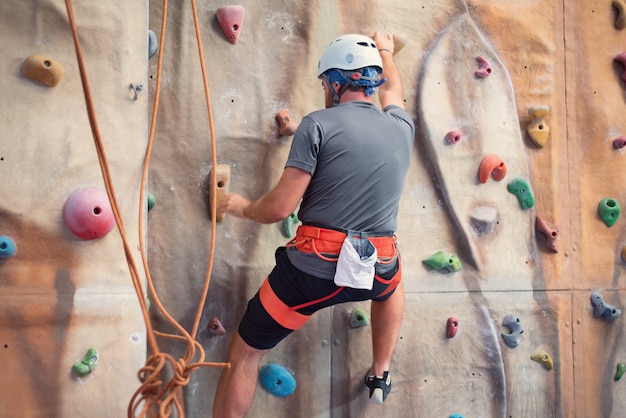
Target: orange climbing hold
x=287, y=127
x=230, y=19
x=493, y=166
x=42, y=69
x=223, y=181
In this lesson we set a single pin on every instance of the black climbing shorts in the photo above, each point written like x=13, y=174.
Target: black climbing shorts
x=288, y=298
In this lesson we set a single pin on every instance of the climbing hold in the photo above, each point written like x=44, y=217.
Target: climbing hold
x=537, y=129
x=513, y=323
x=215, y=327
x=440, y=261
x=520, y=188
x=358, y=318
x=624, y=254
x=602, y=309
x=619, y=142
x=399, y=41
x=621, y=58
x=454, y=136
x=288, y=224
x=287, y=127
x=620, y=19
x=484, y=68
x=88, y=213
x=88, y=364
x=151, y=200
x=452, y=326
x=456, y=416
x=493, y=166
x=277, y=380
x=543, y=358
x=484, y=219
x=135, y=88
x=42, y=69
x=153, y=44
x=609, y=211
x=551, y=233
x=621, y=368
x=230, y=19
x=222, y=172
x=7, y=247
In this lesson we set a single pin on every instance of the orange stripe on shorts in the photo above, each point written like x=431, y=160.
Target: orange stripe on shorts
x=279, y=310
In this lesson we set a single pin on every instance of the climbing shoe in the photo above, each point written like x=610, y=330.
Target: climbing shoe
x=379, y=387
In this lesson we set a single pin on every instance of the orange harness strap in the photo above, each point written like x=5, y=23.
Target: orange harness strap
x=278, y=310
x=311, y=239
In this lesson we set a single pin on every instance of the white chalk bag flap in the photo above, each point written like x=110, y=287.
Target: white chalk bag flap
x=356, y=263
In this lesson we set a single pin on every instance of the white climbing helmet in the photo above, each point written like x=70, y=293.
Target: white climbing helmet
x=350, y=52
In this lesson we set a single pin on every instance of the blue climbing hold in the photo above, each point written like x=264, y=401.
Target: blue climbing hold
x=7, y=247
x=456, y=416
x=277, y=380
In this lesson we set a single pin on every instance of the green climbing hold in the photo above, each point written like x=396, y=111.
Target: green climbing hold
x=520, y=188
x=609, y=211
x=151, y=200
x=440, y=261
x=621, y=368
x=88, y=364
x=358, y=318
x=288, y=224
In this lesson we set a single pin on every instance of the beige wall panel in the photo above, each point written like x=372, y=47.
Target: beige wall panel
x=474, y=373
x=62, y=295
x=598, y=347
x=595, y=104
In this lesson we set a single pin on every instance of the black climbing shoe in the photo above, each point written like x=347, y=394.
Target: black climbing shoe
x=379, y=387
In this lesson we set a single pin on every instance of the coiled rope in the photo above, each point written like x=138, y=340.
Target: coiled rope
x=156, y=397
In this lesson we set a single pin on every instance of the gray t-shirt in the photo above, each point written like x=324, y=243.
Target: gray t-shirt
x=358, y=156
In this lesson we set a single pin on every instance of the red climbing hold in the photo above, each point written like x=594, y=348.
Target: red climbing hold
x=88, y=213
x=452, y=327
x=493, y=166
x=619, y=142
x=230, y=19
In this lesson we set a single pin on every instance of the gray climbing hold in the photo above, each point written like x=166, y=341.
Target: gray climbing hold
x=513, y=323
x=153, y=43
x=603, y=310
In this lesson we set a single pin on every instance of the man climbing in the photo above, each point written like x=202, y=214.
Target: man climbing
x=346, y=167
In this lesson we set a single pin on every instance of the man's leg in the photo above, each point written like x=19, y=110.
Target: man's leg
x=386, y=321
x=236, y=386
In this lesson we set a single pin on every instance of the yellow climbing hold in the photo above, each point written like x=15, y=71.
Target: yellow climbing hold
x=537, y=129
x=43, y=69
x=543, y=358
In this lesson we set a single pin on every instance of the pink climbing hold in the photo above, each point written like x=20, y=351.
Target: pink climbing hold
x=619, y=142
x=493, y=166
x=452, y=326
x=621, y=58
x=88, y=213
x=484, y=68
x=453, y=137
x=215, y=326
x=230, y=19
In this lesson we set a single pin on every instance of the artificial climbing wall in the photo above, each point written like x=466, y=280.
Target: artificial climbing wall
x=72, y=337
x=489, y=70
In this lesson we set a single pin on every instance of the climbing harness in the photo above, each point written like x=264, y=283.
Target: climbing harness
x=155, y=397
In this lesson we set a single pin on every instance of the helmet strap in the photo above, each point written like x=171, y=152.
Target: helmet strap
x=336, y=94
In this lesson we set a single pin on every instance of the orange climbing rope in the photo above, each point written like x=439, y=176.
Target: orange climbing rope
x=156, y=397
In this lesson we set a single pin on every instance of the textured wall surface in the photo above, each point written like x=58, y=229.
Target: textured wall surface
x=62, y=295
